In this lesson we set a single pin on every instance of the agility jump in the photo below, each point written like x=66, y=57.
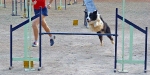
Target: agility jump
x=130, y=60
x=71, y=3
x=15, y=7
x=3, y=3
x=66, y=33
x=24, y=4
x=28, y=60
x=132, y=26
x=26, y=57
x=40, y=40
x=60, y=6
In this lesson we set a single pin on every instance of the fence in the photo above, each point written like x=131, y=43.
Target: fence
x=3, y=3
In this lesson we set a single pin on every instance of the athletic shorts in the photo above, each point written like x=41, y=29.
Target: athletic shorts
x=44, y=11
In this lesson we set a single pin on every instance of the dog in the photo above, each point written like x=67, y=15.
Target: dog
x=97, y=24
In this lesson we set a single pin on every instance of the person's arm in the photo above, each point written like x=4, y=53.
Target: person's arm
x=50, y=1
x=34, y=2
x=49, y=4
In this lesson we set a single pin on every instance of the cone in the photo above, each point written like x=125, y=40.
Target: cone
x=26, y=64
x=59, y=7
x=75, y=22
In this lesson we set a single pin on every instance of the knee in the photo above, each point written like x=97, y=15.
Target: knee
x=34, y=25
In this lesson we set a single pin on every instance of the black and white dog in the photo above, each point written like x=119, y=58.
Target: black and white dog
x=97, y=24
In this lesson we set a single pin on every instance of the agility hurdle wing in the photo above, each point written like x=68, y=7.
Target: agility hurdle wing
x=27, y=59
x=2, y=3
x=130, y=60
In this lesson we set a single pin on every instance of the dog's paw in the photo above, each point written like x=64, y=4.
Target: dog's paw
x=87, y=26
x=101, y=44
x=112, y=42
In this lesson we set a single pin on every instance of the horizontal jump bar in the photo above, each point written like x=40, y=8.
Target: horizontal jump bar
x=66, y=33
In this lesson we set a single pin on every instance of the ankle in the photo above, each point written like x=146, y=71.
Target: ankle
x=52, y=37
x=36, y=41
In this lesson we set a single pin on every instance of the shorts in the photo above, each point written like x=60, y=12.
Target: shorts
x=44, y=11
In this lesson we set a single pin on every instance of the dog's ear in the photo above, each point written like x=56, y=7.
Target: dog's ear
x=95, y=12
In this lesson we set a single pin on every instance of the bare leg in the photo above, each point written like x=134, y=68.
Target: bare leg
x=47, y=29
x=35, y=28
x=45, y=26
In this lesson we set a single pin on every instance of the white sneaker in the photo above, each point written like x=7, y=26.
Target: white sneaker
x=35, y=44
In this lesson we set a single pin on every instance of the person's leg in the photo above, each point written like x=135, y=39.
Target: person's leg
x=70, y=3
x=35, y=24
x=35, y=31
x=45, y=26
x=47, y=29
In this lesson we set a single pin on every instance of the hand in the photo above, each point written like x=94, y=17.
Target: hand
x=34, y=2
x=49, y=6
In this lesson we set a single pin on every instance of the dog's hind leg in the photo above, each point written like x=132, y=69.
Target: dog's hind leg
x=109, y=36
x=101, y=38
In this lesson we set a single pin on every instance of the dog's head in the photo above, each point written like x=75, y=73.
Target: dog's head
x=91, y=16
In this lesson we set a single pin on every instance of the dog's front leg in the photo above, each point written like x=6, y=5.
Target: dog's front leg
x=87, y=26
x=101, y=38
x=96, y=24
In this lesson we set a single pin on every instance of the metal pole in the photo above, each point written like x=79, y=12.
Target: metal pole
x=85, y=15
x=131, y=44
x=29, y=32
x=10, y=47
x=40, y=40
x=21, y=5
x=65, y=5
x=60, y=3
x=55, y=5
x=1, y=2
x=145, y=62
x=75, y=1
x=24, y=6
x=16, y=7
x=123, y=26
x=83, y=3
x=12, y=7
x=24, y=11
x=67, y=33
x=4, y=4
x=28, y=10
x=116, y=22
